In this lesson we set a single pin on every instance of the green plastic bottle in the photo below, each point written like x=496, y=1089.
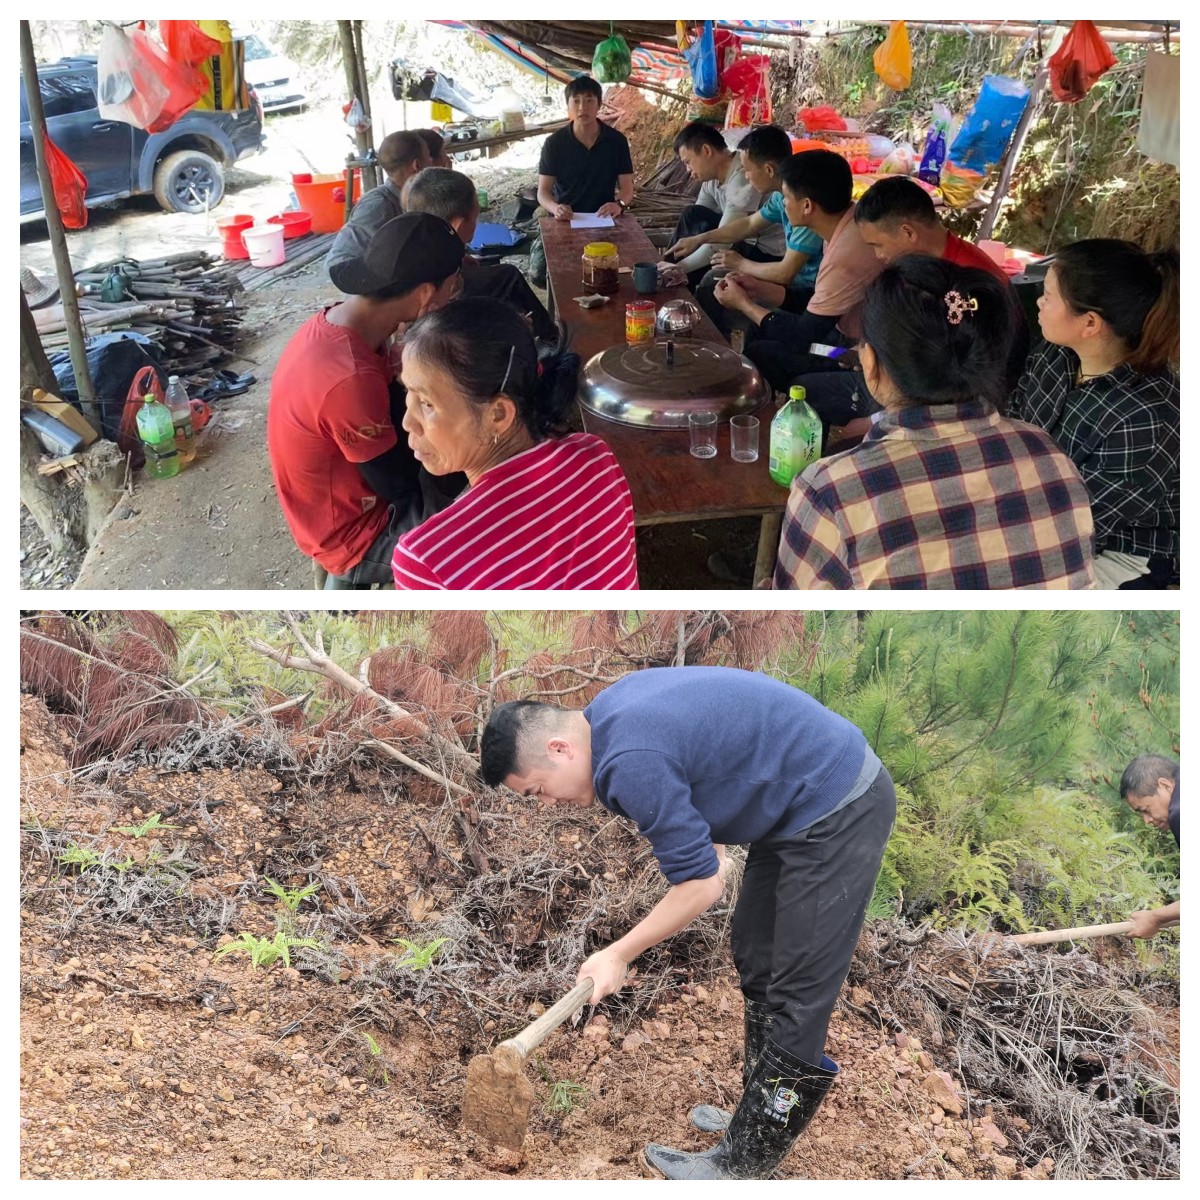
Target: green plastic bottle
x=795, y=438
x=157, y=431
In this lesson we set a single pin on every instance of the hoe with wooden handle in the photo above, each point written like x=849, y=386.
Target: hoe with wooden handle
x=1071, y=935
x=498, y=1095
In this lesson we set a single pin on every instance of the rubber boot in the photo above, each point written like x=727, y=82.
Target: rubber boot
x=758, y=1019
x=780, y=1100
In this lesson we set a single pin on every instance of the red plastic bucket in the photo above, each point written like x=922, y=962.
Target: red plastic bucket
x=295, y=224
x=230, y=229
x=325, y=198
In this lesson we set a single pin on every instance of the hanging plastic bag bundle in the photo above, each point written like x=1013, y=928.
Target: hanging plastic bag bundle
x=749, y=94
x=701, y=57
x=70, y=186
x=1082, y=58
x=893, y=58
x=129, y=86
x=612, y=62
x=990, y=124
x=184, y=84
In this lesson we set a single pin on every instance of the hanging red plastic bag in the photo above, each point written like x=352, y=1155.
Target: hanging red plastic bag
x=824, y=117
x=727, y=49
x=129, y=86
x=749, y=95
x=893, y=59
x=70, y=186
x=1082, y=58
x=184, y=84
x=186, y=42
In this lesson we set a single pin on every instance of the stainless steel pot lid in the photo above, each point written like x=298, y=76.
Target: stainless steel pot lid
x=656, y=385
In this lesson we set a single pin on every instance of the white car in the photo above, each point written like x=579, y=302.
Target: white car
x=273, y=76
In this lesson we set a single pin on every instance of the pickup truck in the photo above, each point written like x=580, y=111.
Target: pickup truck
x=183, y=166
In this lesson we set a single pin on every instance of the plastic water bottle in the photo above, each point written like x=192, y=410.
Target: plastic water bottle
x=795, y=438
x=181, y=418
x=157, y=431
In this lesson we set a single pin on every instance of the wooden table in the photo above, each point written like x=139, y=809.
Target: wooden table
x=667, y=483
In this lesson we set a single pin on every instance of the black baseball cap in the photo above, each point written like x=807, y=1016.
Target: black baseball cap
x=408, y=250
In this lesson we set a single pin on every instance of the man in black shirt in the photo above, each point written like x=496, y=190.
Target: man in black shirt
x=585, y=163
x=1150, y=786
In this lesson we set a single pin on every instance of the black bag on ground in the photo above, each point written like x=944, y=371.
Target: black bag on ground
x=113, y=360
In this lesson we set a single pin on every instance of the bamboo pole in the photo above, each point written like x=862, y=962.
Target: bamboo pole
x=58, y=237
x=1019, y=30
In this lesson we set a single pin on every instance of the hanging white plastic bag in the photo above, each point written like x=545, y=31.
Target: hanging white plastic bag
x=128, y=85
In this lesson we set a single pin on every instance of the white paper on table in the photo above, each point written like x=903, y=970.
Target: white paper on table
x=591, y=221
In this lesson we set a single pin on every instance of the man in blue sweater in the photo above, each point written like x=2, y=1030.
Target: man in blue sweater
x=697, y=758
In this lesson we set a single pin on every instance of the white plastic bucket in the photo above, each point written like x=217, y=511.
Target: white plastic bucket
x=264, y=243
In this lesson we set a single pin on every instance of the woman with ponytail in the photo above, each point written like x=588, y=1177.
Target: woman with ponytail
x=943, y=492
x=543, y=508
x=1105, y=386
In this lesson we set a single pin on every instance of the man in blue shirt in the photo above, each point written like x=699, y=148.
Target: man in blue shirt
x=1150, y=786
x=697, y=758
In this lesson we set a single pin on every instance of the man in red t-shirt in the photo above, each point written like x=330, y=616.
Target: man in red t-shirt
x=346, y=480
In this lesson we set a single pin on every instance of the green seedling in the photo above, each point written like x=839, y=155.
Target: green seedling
x=564, y=1097
x=291, y=898
x=151, y=824
x=416, y=955
x=265, y=951
x=377, y=1066
x=79, y=856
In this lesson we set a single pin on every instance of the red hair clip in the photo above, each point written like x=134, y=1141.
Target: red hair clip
x=957, y=305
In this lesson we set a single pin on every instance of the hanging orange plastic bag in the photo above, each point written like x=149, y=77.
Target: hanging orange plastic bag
x=70, y=186
x=893, y=59
x=1082, y=58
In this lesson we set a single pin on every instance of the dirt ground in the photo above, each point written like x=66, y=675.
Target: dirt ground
x=218, y=524
x=144, y=1056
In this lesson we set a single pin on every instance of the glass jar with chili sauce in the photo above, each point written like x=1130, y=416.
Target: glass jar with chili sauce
x=601, y=264
x=639, y=322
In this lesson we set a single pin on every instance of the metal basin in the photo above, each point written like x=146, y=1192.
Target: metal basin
x=655, y=386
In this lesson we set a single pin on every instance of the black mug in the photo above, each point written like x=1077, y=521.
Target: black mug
x=645, y=278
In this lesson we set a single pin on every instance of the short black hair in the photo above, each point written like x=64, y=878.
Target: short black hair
x=767, y=144
x=401, y=148
x=695, y=135
x=447, y=194
x=509, y=724
x=1140, y=778
x=583, y=85
x=433, y=140
x=897, y=198
x=821, y=176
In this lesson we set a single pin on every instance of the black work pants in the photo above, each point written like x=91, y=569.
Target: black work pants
x=696, y=218
x=503, y=281
x=798, y=916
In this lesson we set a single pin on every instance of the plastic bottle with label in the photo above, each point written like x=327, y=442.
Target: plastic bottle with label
x=795, y=438
x=157, y=431
x=181, y=417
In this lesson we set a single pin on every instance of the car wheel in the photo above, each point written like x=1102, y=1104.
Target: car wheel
x=189, y=181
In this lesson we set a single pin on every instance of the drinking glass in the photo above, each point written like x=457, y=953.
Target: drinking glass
x=743, y=438
x=702, y=428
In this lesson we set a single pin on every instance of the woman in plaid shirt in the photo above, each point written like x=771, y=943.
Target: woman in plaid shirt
x=943, y=492
x=1103, y=385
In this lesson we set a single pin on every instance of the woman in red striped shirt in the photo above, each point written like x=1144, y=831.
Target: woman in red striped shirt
x=543, y=508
